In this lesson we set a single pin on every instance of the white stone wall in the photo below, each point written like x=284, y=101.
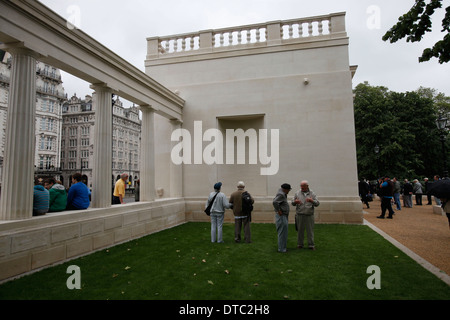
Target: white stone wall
x=302, y=88
x=28, y=245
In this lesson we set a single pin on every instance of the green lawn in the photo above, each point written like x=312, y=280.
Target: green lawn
x=182, y=264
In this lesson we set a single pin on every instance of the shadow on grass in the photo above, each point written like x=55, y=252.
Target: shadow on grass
x=182, y=264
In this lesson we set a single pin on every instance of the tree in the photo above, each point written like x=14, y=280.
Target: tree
x=403, y=126
x=440, y=100
x=416, y=22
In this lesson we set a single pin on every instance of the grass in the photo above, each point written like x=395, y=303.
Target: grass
x=182, y=264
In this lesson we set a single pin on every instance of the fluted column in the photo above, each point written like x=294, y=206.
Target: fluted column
x=102, y=168
x=176, y=171
x=18, y=164
x=147, y=192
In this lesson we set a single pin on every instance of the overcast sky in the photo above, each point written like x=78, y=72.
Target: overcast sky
x=123, y=27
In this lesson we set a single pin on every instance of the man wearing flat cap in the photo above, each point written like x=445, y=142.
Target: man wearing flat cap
x=281, y=207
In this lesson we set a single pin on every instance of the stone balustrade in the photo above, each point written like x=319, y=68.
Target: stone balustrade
x=248, y=36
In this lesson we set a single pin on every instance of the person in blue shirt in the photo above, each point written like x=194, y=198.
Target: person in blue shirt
x=386, y=194
x=78, y=196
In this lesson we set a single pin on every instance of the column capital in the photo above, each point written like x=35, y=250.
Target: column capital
x=101, y=86
x=19, y=48
x=146, y=108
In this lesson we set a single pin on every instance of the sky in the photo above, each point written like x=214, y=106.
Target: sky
x=123, y=27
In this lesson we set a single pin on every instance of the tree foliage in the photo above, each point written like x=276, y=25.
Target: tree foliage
x=416, y=22
x=403, y=125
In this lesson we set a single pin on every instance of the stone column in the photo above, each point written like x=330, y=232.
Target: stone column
x=102, y=168
x=176, y=171
x=147, y=192
x=18, y=165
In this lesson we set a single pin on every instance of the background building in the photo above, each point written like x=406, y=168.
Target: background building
x=49, y=99
x=77, y=140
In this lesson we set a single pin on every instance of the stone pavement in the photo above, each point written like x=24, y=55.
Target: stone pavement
x=419, y=232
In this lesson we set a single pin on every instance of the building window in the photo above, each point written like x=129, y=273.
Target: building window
x=49, y=143
x=73, y=131
x=45, y=162
x=72, y=142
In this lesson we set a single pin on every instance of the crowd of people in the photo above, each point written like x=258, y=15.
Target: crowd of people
x=305, y=200
x=390, y=192
x=51, y=196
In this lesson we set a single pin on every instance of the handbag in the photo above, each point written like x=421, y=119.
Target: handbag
x=208, y=208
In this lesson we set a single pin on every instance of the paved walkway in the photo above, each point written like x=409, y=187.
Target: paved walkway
x=420, y=233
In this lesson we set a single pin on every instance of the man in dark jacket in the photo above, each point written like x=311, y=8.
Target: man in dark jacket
x=240, y=216
x=281, y=207
x=407, y=194
x=386, y=193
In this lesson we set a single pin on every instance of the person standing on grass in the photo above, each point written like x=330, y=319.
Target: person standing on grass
x=386, y=193
x=305, y=201
x=281, y=206
x=217, y=212
x=240, y=216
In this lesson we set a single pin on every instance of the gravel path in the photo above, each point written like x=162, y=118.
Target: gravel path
x=419, y=229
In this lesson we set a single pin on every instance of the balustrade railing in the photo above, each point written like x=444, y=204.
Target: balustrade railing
x=265, y=34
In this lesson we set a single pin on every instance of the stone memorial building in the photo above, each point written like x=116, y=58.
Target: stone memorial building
x=267, y=104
